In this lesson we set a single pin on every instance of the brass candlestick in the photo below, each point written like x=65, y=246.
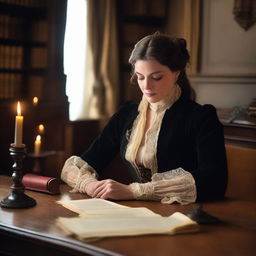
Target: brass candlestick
x=17, y=198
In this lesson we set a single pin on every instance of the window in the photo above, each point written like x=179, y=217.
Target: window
x=75, y=55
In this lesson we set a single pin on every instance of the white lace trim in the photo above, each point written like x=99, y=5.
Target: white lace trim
x=172, y=186
x=149, y=159
x=77, y=173
x=142, y=149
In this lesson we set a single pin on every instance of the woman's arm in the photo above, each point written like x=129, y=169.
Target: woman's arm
x=175, y=185
x=168, y=187
x=211, y=172
x=77, y=173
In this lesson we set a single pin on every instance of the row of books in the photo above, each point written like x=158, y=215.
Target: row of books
x=13, y=28
x=11, y=85
x=11, y=57
x=27, y=3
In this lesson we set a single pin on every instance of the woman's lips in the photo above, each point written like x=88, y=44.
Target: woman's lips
x=149, y=94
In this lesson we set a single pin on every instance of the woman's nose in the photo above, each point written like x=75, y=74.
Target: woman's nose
x=147, y=84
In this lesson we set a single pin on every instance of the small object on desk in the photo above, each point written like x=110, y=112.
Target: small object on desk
x=39, y=183
x=202, y=217
x=17, y=198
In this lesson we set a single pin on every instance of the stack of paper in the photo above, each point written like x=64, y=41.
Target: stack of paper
x=102, y=218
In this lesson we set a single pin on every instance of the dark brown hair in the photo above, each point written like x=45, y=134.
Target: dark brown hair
x=168, y=51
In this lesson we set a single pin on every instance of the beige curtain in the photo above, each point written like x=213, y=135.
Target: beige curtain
x=102, y=81
x=192, y=32
x=184, y=21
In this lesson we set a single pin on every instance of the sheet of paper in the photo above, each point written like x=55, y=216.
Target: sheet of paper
x=83, y=205
x=127, y=212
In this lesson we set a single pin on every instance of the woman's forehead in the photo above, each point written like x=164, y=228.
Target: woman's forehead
x=149, y=66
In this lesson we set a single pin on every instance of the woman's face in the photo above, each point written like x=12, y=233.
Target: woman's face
x=155, y=80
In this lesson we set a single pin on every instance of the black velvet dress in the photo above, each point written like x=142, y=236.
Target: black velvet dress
x=190, y=137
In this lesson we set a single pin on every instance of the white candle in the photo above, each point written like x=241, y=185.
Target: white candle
x=37, y=145
x=18, y=127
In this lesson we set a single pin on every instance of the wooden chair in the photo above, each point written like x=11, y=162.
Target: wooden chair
x=241, y=172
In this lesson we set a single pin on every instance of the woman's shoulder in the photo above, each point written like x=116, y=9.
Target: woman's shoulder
x=126, y=110
x=203, y=114
x=203, y=108
x=197, y=109
x=128, y=107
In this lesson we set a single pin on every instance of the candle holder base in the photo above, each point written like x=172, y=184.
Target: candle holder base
x=17, y=201
x=17, y=198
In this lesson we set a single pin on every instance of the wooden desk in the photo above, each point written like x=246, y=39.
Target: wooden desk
x=33, y=231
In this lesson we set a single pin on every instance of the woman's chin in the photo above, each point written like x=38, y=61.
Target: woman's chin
x=152, y=99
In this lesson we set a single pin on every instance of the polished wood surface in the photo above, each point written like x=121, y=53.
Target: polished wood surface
x=34, y=229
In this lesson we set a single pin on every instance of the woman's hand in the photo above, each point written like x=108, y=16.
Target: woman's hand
x=109, y=189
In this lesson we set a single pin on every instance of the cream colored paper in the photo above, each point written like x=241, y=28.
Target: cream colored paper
x=83, y=205
x=84, y=228
x=102, y=218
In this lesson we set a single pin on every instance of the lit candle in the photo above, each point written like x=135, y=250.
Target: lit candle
x=18, y=127
x=37, y=145
x=41, y=128
x=35, y=101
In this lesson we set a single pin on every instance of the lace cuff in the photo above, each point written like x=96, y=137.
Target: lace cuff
x=172, y=186
x=77, y=173
x=142, y=191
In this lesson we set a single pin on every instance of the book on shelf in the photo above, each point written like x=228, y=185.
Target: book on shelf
x=38, y=57
x=39, y=31
x=99, y=218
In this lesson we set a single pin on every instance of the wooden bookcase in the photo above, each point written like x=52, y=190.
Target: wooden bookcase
x=31, y=45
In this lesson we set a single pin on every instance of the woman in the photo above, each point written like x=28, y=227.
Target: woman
x=173, y=147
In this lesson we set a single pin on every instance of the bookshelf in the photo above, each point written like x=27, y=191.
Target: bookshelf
x=23, y=38
x=31, y=44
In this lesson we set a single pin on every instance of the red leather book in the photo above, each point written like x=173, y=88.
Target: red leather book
x=39, y=183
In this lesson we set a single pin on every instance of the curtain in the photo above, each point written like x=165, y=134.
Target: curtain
x=184, y=21
x=192, y=32
x=103, y=81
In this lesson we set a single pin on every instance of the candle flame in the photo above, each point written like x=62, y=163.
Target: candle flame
x=18, y=109
x=41, y=128
x=35, y=100
x=38, y=138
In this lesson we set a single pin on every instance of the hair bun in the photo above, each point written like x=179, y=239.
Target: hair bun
x=183, y=42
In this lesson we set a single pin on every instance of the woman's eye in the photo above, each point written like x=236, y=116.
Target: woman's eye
x=140, y=78
x=157, y=78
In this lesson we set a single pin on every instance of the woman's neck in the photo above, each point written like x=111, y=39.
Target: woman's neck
x=167, y=102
